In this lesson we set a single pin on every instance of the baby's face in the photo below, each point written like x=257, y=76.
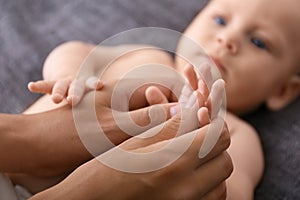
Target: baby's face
x=254, y=43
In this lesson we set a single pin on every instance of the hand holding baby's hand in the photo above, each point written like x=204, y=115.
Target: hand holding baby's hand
x=201, y=93
x=71, y=90
x=210, y=91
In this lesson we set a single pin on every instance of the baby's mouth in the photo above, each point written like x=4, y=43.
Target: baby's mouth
x=218, y=63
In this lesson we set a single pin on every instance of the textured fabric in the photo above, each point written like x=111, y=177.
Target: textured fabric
x=30, y=29
x=280, y=136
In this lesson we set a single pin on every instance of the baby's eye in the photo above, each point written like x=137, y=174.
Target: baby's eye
x=220, y=21
x=259, y=43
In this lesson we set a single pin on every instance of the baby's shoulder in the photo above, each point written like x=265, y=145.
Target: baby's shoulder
x=237, y=124
x=151, y=54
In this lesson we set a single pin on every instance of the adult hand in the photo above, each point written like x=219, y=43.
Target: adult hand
x=40, y=139
x=188, y=177
x=47, y=144
x=183, y=176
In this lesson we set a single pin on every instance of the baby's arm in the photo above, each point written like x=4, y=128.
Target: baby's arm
x=76, y=65
x=60, y=69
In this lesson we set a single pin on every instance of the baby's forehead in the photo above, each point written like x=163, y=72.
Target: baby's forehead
x=291, y=30
x=284, y=18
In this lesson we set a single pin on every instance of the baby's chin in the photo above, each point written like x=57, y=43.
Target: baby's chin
x=179, y=64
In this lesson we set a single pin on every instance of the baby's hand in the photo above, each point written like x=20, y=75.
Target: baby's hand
x=210, y=93
x=194, y=95
x=71, y=90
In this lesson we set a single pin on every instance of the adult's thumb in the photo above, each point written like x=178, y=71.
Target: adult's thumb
x=138, y=121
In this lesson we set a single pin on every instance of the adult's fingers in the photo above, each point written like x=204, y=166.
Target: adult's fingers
x=138, y=121
x=183, y=122
x=161, y=132
x=199, y=176
x=207, y=181
x=212, y=173
x=180, y=153
x=218, y=193
x=190, y=144
x=207, y=142
x=191, y=76
x=155, y=96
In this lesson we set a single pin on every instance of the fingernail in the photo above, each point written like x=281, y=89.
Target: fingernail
x=57, y=96
x=29, y=85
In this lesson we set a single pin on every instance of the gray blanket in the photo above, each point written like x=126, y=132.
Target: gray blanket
x=30, y=29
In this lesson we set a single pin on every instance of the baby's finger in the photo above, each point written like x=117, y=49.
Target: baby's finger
x=201, y=99
x=94, y=83
x=186, y=92
x=76, y=92
x=217, y=98
x=155, y=96
x=203, y=89
x=44, y=87
x=59, y=91
x=206, y=74
x=99, y=85
x=203, y=116
x=191, y=76
x=218, y=193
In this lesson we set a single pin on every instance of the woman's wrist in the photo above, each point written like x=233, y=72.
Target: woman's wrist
x=93, y=180
x=13, y=134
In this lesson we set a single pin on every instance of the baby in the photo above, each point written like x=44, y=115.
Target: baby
x=257, y=57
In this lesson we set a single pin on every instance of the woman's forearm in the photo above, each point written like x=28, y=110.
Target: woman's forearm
x=15, y=148
x=92, y=180
x=41, y=144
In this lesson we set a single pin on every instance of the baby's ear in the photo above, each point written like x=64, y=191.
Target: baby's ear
x=289, y=92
